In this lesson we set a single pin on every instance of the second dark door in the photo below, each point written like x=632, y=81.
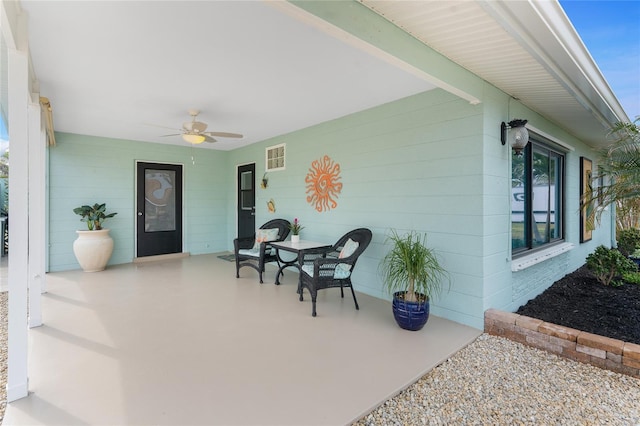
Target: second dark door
x=246, y=200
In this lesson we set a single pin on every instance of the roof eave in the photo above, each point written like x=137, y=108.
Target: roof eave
x=545, y=31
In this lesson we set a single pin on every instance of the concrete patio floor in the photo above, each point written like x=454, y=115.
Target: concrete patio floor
x=185, y=342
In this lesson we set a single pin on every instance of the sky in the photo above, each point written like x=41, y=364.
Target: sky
x=611, y=31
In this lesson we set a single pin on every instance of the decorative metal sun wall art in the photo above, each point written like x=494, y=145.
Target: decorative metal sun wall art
x=322, y=184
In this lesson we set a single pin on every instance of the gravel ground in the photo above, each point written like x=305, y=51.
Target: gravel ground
x=493, y=381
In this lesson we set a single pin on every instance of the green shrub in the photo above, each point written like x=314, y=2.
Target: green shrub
x=631, y=277
x=628, y=240
x=608, y=264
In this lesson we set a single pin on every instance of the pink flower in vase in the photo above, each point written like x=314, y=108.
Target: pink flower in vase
x=295, y=227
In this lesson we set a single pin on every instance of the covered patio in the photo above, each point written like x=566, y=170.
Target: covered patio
x=413, y=115
x=184, y=342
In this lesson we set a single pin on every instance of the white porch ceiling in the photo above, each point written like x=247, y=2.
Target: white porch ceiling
x=121, y=69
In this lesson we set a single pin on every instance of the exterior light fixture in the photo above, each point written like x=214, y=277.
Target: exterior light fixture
x=517, y=134
x=194, y=139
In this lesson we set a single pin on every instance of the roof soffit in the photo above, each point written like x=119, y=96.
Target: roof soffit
x=527, y=49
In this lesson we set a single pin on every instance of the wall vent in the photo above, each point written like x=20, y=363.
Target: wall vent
x=275, y=158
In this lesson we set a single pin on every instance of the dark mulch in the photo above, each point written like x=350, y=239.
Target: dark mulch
x=580, y=302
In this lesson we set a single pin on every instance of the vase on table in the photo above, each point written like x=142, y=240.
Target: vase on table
x=295, y=239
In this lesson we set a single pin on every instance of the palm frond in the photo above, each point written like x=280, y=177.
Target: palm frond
x=619, y=171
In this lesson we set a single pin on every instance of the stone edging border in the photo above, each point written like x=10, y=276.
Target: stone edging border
x=604, y=352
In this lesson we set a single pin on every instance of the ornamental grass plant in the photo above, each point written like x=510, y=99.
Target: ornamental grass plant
x=412, y=267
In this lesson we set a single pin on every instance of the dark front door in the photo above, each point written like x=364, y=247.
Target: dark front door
x=159, y=209
x=246, y=200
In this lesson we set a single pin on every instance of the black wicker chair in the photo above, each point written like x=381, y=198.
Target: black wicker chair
x=324, y=268
x=256, y=259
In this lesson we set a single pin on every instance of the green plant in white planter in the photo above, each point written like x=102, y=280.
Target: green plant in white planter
x=93, y=248
x=413, y=274
x=93, y=215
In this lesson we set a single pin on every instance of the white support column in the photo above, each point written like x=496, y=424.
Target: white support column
x=18, y=98
x=37, y=143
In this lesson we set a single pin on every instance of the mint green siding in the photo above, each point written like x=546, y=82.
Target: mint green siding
x=410, y=164
x=508, y=290
x=431, y=162
x=88, y=169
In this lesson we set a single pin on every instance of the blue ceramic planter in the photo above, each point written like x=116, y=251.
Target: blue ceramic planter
x=410, y=315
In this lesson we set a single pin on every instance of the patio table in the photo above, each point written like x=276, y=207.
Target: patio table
x=296, y=248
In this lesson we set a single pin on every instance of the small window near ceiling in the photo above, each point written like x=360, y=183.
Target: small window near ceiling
x=275, y=158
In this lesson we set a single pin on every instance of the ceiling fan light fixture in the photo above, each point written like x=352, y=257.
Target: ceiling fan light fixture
x=193, y=139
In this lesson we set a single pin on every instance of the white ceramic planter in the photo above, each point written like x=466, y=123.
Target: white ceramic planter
x=93, y=249
x=295, y=238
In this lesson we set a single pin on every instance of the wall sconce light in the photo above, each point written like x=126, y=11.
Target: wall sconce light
x=518, y=135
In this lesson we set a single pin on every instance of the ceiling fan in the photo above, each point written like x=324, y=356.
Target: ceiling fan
x=194, y=131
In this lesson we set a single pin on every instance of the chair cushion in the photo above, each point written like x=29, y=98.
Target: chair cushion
x=256, y=252
x=250, y=252
x=342, y=269
x=264, y=235
x=308, y=269
x=349, y=248
x=341, y=272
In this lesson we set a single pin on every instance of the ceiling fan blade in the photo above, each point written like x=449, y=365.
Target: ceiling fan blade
x=193, y=130
x=194, y=126
x=161, y=127
x=198, y=126
x=225, y=135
